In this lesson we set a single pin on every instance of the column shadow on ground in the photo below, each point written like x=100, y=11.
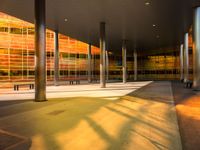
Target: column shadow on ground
x=63, y=116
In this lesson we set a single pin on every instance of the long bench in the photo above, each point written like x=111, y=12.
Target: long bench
x=188, y=84
x=72, y=81
x=17, y=85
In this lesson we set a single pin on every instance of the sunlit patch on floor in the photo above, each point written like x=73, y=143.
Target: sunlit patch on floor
x=111, y=98
x=79, y=139
x=38, y=143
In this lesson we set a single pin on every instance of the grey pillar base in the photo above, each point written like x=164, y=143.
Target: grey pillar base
x=39, y=101
x=103, y=86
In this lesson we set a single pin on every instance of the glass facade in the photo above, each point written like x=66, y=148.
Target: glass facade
x=17, y=53
x=160, y=66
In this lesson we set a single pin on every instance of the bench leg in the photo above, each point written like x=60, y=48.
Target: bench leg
x=190, y=85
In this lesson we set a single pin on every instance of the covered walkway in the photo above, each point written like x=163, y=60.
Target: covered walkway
x=43, y=41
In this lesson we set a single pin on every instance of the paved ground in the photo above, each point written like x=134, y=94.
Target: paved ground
x=139, y=116
x=188, y=111
x=84, y=90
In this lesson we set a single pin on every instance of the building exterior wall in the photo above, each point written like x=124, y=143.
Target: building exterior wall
x=17, y=52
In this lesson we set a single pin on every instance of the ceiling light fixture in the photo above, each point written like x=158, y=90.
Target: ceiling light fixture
x=147, y=3
x=65, y=19
x=154, y=25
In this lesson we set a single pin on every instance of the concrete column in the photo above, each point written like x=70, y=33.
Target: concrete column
x=124, y=66
x=107, y=66
x=186, y=59
x=102, y=55
x=89, y=63
x=56, y=58
x=196, y=52
x=40, y=49
x=135, y=64
x=181, y=63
